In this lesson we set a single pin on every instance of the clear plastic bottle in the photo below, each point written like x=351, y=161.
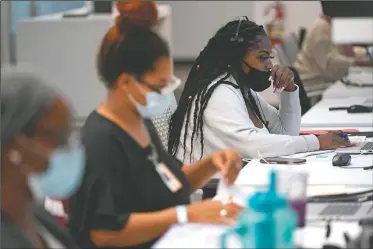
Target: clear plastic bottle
x=268, y=222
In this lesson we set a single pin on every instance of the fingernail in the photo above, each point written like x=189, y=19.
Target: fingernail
x=225, y=180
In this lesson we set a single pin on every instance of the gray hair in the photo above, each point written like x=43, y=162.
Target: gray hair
x=25, y=98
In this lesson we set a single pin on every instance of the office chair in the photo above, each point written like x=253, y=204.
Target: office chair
x=302, y=37
x=161, y=124
x=280, y=56
x=290, y=47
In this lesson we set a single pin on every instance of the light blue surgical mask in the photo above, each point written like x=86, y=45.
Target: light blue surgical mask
x=156, y=102
x=63, y=176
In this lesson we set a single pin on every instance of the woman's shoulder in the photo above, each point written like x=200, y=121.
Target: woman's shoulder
x=320, y=27
x=225, y=87
x=96, y=123
x=99, y=129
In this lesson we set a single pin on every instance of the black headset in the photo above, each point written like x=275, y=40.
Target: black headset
x=237, y=38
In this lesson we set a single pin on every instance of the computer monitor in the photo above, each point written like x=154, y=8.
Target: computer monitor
x=102, y=7
x=352, y=21
x=353, y=30
x=344, y=9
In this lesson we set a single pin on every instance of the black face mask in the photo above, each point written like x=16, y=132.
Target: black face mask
x=256, y=79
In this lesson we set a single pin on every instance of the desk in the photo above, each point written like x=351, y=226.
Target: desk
x=366, y=128
x=326, y=178
x=321, y=173
x=255, y=175
x=207, y=236
x=340, y=90
x=320, y=116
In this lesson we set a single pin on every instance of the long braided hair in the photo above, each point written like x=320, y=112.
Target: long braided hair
x=221, y=56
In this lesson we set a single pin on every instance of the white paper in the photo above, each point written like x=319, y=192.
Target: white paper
x=357, y=139
x=233, y=193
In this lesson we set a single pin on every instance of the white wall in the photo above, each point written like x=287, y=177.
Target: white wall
x=5, y=27
x=297, y=13
x=194, y=22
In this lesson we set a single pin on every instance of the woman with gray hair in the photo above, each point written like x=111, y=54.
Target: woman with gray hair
x=36, y=161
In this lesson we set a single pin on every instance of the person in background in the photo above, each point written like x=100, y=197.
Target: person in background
x=35, y=161
x=219, y=107
x=320, y=60
x=133, y=190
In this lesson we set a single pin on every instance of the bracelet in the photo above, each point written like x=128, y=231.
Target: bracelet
x=182, y=214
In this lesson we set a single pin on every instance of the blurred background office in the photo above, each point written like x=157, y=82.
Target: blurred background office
x=33, y=32
x=61, y=37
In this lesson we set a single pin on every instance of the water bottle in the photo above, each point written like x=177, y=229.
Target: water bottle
x=267, y=222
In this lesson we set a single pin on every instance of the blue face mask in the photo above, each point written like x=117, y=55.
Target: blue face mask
x=63, y=176
x=156, y=103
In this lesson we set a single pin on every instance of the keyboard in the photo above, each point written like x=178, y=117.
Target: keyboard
x=348, y=211
x=367, y=146
x=340, y=209
x=359, y=78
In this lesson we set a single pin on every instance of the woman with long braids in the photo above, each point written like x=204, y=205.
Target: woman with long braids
x=219, y=107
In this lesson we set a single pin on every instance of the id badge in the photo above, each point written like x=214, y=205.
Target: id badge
x=168, y=178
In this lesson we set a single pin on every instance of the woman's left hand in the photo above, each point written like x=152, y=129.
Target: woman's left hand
x=283, y=78
x=228, y=162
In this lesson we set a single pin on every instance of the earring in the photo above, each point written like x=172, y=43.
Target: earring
x=15, y=157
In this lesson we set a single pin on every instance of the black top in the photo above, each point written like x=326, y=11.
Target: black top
x=12, y=237
x=119, y=180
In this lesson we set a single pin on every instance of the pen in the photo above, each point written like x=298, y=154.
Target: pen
x=337, y=108
x=343, y=135
x=368, y=168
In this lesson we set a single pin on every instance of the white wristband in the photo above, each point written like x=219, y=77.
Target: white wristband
x=181, y=214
